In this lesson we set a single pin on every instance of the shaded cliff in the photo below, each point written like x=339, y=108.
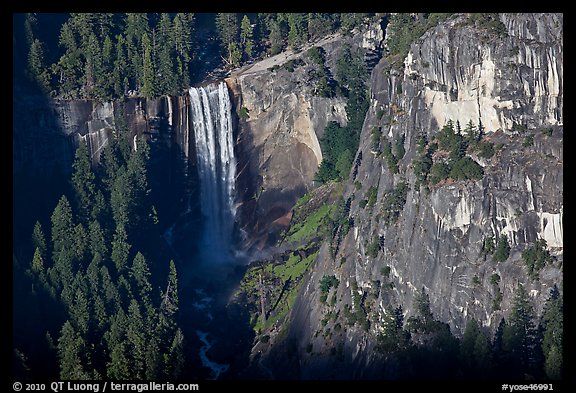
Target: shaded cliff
x=406, y=235
x=46, y=133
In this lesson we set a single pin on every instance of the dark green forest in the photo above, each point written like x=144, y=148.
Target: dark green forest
x=106, y=56
x=97, y=272
x=523, y=346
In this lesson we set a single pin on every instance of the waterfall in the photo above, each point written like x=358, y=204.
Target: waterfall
x=212, y=124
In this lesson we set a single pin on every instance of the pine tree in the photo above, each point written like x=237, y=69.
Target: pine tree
x=70, y=66
x=94, y=75
x=468, y=344
x=423, y=306
x=93, y=274
x=164, y=31
x=122, y=198
x=498, y=351
x=137, y=169
x=109, y=163
x=117, y=330
x=169, y=304
x=234, y=54
x=120, y=67
x=122, y=146
x=183, y=43
x=480, y=130
x=470, y=130
x=80, y=312
x=278, y=30
x=227, y=25
x=320, y=25
x=37, y=265
x=552, y=342
x=136, y=29
x=83, y=182
x=97, y=240
x=119, y=366
x=246, y=37
x=136, y=340
x=475, y=352
x=68, y=37
x=141, y=275
x=393, y=338
x=100, y=313
x=166, y=80
x=502, y=249
x=176, y=360
x=62, y=273
x=148, y=80
x=482, y=354
x=182, y=35
x=37, y=68
x=124, y=290
x=519, y=337
x=173, y=284
x=70, y=352
x=80, y=243
x=129, y=199
x=108, y=69
x=84, y=24
x=62, y=228
x=298, y=33
x=99, y=206
x=351, y=20
x=109, y=291
x=120, y=249
x=20, y=365
x=153, y=359
x=39, y=240
x=30, y=26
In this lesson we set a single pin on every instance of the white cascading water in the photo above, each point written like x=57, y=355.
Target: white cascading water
x=212, y=123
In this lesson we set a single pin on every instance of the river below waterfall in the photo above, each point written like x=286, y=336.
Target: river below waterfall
x=216, y=368
x=204, y=305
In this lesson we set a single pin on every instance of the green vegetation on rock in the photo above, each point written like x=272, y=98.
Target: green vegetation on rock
x=393, y=202
x=536, y=256
x=339, y=144
x=502, y=249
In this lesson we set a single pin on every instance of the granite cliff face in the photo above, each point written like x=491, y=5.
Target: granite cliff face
x=48, y=131
x=468, y=73
x=279, y=137
x=457, y=72
x=282, y=152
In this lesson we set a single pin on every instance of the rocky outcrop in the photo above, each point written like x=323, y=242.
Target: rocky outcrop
x=279, y=139
x=47, y=132
x=462, y=73
x=469, y=73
